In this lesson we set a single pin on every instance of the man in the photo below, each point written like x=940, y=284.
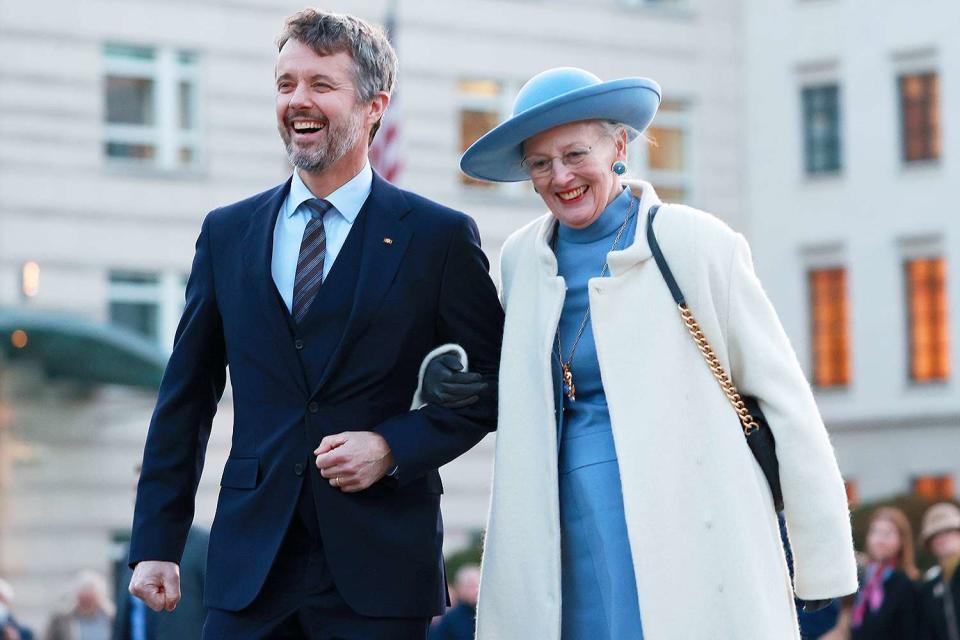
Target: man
x=323, y=295
x=10, y=629
x=939, y=597
x=460, y=623
x=135, y=621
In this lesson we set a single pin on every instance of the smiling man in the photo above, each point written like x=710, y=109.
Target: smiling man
x=322, y=295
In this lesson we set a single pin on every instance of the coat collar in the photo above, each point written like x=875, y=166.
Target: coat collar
x=619, y=261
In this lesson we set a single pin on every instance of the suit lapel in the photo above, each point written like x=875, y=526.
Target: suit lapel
x=258, y=245
x=385, y=241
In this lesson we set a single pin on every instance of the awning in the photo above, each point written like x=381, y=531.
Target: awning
x=72, y=347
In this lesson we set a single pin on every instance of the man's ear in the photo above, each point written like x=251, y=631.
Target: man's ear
x=377, y=107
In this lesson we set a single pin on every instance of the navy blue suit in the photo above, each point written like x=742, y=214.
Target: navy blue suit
x=410, y=276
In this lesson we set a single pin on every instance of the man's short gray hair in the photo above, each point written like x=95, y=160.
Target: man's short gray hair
x=374, y=60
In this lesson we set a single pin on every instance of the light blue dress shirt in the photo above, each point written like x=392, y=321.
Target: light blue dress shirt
x=292, y=220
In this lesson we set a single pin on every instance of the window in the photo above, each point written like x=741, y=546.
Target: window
x=151, y=106
x=667, y=159
x=482, y=103
x=147, y=303
x=927, y=311
x=853, y=495
x=821, y=129
x=920, y=116
x=934, y=488
x=828, y=310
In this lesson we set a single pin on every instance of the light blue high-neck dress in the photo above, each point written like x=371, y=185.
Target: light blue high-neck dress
x=599, y=598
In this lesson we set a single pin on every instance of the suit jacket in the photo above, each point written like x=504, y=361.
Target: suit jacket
x=186, y=621
x=420, y=279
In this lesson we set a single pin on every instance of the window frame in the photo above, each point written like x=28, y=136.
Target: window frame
x=810, y=141
x=166, y=70
x=846, y=365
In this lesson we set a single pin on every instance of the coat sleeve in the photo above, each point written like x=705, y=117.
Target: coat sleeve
x=763, y=364
x=469, y=315
x=180, y=427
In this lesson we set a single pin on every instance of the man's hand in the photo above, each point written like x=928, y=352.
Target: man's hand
x=353, y=460
x=157, y=583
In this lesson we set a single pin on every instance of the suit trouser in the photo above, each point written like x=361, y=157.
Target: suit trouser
x=299, y=598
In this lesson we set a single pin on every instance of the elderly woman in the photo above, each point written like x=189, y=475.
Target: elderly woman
x=626, y=502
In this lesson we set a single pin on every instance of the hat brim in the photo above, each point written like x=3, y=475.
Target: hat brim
x=497, y=155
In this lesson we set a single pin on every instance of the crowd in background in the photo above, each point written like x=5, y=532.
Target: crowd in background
x=894, y=601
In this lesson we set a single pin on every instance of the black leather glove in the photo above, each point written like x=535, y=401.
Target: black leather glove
x=815, y=605
x=445, y=384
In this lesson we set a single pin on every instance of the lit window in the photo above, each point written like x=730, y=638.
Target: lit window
x=853, y=495
x=927, y=309
x=821, y=129
x=920, y=116
x=480, y=111
x=150, y=106
x=666, y=159
x=831, y=343
x=934, y=488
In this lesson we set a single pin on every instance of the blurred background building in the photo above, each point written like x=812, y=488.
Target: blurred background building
x=122, y=123
x=852, y=164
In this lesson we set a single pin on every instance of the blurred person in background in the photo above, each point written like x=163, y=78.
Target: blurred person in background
x=136, y=621
x=460, y=621
x=939, y=596
x=10, y=629
x=625, y=504
x=885, y=607
x=89, y=613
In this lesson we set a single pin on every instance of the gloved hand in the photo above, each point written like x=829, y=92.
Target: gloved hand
x=815, y=605
x=445, y=384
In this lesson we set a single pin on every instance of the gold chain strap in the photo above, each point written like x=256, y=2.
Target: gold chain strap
x=749, y=424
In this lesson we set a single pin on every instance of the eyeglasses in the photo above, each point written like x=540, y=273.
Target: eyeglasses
x=542, y=166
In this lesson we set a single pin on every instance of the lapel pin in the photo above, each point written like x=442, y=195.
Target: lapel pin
x=388, y=241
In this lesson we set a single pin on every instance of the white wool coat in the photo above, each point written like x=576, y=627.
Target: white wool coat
x=703, y=534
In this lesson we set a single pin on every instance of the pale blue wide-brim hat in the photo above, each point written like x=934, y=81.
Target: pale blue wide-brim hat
x=555, y=97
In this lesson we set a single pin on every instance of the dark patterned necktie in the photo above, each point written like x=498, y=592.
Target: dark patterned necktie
x=310, y=263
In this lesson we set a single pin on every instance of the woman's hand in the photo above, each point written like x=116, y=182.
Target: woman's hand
x=445, y=384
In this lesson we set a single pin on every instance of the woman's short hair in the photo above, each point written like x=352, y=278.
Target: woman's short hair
x=326, y=33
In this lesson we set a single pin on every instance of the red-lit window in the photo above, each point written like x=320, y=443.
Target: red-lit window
x=929, y=331
x=934, y=488
x=831, y=342
x=920, y=114
x=853, y=497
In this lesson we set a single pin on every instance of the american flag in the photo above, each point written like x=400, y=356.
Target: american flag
x=385, y=150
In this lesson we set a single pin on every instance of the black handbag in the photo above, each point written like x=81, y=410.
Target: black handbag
x=755, y=427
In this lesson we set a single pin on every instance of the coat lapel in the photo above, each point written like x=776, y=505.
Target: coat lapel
x=258, y=245
x=385, y=242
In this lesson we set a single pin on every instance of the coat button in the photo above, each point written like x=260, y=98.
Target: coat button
x=298, y=468
x=313, y=407
x=298, y=344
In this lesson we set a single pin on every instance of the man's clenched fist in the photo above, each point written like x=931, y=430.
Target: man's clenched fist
x=157, y=583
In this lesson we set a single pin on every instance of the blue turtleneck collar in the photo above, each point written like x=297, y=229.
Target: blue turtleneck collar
x=605, y=225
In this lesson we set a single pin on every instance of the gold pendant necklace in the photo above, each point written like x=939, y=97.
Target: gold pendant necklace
x=571, y=388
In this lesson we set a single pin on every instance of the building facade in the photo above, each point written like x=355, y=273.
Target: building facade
x=123, y=123
x=852, y=225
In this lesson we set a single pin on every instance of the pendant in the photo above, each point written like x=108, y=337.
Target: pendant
x=568, y=383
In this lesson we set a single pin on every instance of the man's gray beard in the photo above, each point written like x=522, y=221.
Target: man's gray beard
x=340, y=139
